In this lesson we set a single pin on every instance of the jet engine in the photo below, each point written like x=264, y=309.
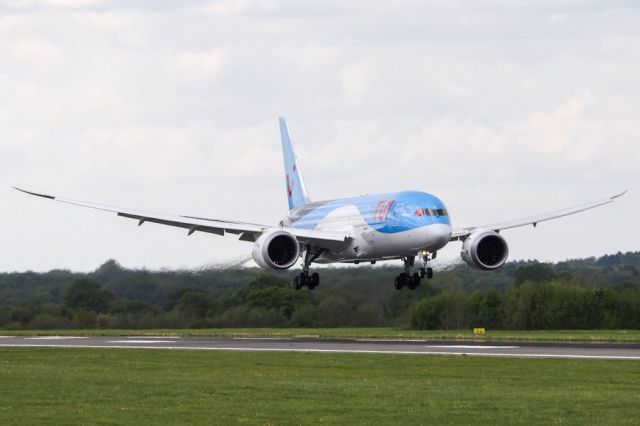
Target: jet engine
x=276, y=249
x=485, y=249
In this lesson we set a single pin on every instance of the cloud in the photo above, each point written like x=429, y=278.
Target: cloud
x=205, y=64
x=355, y=82
x=225, y=7
x=503, y=108
x=36, y=52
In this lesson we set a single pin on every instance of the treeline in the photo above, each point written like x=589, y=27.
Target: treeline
x=577, y=294
x=266, y=301
x=556, y=305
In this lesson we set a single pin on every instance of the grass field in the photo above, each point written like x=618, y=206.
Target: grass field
x=115, y=386
x=591, y=336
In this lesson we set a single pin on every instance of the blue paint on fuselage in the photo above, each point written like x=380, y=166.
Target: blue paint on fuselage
x=385, y=213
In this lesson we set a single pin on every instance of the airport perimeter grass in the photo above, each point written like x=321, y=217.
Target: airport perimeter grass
x=118, y=386
x=587, y=336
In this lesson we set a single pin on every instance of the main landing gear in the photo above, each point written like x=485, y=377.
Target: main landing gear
x=406, y=279
x=304, y=278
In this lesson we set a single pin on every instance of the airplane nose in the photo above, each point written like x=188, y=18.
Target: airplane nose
x=439, y=234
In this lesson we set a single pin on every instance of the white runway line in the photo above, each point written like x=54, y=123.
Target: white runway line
x=153, y=337
x=54, y=338
x=391, y=340
x=471, y=347
x=336, y=351
x=262, y=338
x=141, y=341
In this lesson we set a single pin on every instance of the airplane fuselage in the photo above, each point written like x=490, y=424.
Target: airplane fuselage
x=382, y=226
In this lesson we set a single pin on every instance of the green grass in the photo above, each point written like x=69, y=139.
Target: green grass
x=117, y=386
x=590, y=336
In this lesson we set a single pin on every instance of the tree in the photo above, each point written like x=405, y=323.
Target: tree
x=127, y=306
x=535, y=273
x=486, y=308
x=425, y=315
x=194, y=304
x=108, y=271
x=88, y=295
x=274, y=293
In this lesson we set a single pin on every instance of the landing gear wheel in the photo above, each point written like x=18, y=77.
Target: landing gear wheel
x=413, y=281
x=405, y=278
x=425, y=271
x=429, y=273
x=398, y=283
x=296, y=283
x=416, y=281
x=304, y=279
x=313, y=281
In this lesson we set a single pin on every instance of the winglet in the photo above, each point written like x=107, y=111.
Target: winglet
x=619, y=195
x=51, y=197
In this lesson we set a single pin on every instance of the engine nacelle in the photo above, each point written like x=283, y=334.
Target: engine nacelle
x=276, y=249
x=484, y=249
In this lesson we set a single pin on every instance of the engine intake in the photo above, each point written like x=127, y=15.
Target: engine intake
x=484, y=249
x=276, y=250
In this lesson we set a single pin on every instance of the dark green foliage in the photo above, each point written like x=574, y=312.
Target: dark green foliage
x=535, y=273
x=547, y=306
x=486, y=308
x=194, y=304
x=575, y=294
x=273, y=293
x=447, y=311
x=135, y=307
x=87, y=294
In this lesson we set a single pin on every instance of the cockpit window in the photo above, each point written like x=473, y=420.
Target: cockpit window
x=431, y=212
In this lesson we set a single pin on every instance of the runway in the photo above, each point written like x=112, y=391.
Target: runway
x=388, y=347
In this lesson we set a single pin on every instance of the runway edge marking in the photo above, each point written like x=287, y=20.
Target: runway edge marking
x=333, y=351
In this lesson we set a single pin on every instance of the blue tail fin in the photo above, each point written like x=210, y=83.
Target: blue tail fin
x=296, y=191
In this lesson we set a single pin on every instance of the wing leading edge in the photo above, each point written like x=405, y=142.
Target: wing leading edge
x=462, y=233
x=246, y=231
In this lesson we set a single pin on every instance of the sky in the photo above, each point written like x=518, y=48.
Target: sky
x=501, y=108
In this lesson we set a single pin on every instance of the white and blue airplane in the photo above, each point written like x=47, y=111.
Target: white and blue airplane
x=400, y=225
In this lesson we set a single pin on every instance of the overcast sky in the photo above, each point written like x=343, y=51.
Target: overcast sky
x=501, y=108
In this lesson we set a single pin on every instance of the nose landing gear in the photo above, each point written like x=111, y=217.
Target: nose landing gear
x=426, y=272
x=405, y=279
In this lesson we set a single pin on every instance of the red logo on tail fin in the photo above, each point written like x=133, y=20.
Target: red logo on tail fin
x=289, y=186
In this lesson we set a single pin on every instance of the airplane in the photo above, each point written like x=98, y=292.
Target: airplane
x=395, y=226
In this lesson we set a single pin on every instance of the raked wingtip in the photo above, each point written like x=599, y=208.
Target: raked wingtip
x=619, y=195
x=51, y=197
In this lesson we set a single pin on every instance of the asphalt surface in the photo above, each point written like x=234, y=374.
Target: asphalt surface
x=390, y=347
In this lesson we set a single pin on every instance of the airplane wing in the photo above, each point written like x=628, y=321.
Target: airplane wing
x=246, y=231
x=462, y=233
